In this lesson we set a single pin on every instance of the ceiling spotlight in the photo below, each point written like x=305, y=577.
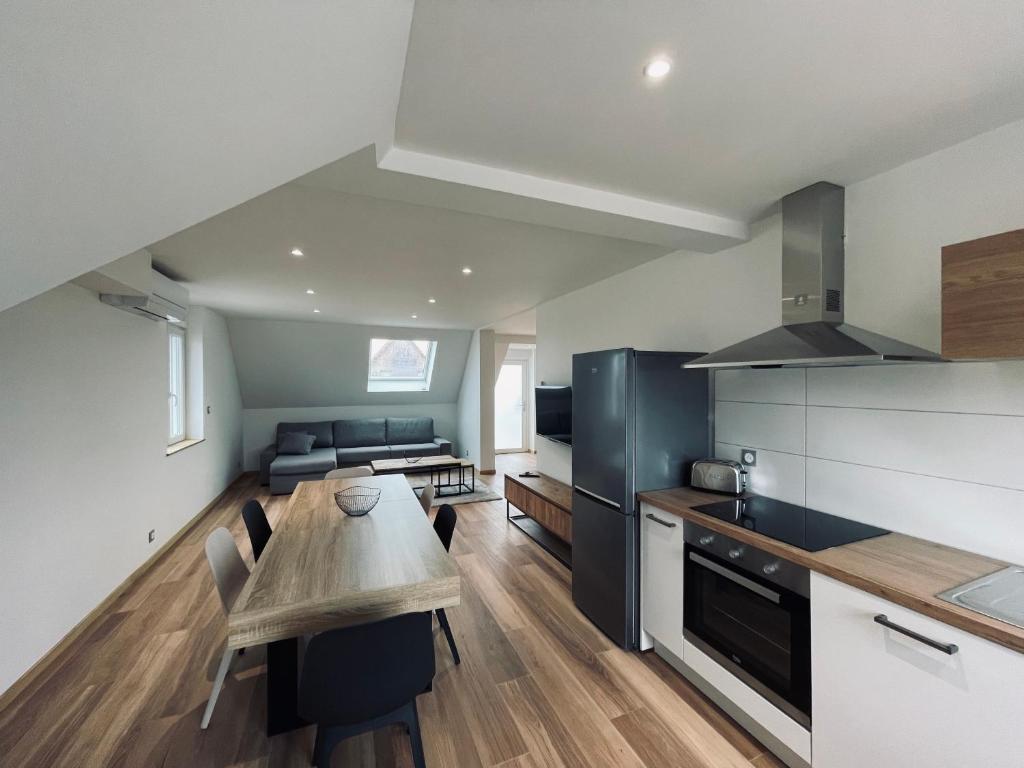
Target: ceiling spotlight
x=297, y=252
x=413, y=316
x=316, y=311
x=467, y=271
x=657, y=68
x=432, y=300
x=310, y=291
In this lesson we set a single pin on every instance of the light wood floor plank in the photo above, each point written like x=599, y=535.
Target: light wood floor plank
x=539, y=686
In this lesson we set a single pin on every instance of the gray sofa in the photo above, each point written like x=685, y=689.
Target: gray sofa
x=347, y=443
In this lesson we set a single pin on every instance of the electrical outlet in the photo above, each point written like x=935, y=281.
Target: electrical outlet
x=748, y=457
x=152, y=536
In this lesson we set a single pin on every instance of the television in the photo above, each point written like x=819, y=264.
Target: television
x=554, y=413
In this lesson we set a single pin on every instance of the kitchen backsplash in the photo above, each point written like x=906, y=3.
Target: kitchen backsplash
x=934, y=451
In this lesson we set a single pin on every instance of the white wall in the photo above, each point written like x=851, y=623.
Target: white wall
x=468, y=443
x=292, y=364
x=684, y=301
x=926, y=450
x=83, y=411
x=259, y=425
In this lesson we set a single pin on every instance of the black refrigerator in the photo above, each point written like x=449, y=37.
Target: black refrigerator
x=639, y=421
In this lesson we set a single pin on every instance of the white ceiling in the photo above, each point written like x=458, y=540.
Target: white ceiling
x=122, y=122
x=764, y=97
x=376, y=261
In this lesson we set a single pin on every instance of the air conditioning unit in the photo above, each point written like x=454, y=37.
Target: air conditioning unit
x=133, y=285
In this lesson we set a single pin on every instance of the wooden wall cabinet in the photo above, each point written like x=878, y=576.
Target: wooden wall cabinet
x=983, y=298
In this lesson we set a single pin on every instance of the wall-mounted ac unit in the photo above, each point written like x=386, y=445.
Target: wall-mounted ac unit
x=133, y=285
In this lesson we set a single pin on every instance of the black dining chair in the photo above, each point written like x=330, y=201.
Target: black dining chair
x=257, y=525
x=362, y=678
x=444, y=527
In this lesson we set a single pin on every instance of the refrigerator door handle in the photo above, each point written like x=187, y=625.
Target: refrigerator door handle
x=595, y=497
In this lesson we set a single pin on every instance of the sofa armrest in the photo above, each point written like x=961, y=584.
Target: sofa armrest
x=267, y=455
x=445, y=446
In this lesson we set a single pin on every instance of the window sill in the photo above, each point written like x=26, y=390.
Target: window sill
x=182, y=445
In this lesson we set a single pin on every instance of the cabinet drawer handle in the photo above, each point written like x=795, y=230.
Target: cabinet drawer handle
x=659, y=521
x=948, y=648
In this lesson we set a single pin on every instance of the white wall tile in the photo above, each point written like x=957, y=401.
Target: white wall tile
x=778, y=385
x=977, y=518
x=994, y=388
x=776, y=475
x=969, y=447
x=754, y=425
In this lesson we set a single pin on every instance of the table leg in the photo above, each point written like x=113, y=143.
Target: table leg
x=283, y=687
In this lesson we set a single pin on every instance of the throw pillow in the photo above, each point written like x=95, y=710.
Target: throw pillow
x=295, y=443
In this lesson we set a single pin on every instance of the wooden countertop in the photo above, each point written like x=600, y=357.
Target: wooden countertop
x=904, y=570
x=322, y=569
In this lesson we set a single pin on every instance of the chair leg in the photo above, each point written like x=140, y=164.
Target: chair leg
x=418, y=760
x=218, y=682
x=443, y=621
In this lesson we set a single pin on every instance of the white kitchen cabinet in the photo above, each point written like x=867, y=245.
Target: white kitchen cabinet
x=885, y=700
x=661, y=579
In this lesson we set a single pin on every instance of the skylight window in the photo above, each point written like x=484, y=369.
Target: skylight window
x=400, y=365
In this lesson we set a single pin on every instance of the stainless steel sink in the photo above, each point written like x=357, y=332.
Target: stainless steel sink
x=999, y=595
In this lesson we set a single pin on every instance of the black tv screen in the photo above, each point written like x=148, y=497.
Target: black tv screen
x=554, y=413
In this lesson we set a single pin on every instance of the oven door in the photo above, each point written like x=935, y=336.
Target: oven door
x=757, y=630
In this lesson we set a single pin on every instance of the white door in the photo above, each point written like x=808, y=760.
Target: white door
x=510, y=407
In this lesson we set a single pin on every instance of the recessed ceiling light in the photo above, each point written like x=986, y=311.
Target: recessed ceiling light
x=316, y=311
x=310, y=291
x=297, y=252
x=413, y=316
x=657, y=68
x=432, y=300
x=467, y=271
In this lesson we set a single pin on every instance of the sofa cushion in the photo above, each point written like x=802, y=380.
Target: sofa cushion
x=317, y=460
x=295, y=443
x=362, y=455
x=321, y=430
x=359, y=433
x=416, y=429
x=415, y=449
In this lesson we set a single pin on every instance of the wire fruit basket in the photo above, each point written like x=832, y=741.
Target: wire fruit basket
x=357, y=500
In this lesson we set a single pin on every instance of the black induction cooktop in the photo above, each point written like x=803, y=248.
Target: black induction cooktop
x=802, y=527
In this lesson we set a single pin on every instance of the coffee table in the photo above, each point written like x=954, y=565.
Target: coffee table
x=449, y=468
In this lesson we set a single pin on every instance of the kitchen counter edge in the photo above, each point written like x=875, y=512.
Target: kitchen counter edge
x=901, y=569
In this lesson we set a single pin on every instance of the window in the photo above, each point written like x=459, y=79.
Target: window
x=398, y=365
x=176, y=387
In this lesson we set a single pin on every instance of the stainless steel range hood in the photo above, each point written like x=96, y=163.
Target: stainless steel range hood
x=813, y=332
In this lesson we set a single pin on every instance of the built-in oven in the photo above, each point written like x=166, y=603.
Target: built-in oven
x=750, y=612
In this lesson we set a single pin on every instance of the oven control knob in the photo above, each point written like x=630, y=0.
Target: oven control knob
x=736, y=553
x=705, y=539
x=771, y=568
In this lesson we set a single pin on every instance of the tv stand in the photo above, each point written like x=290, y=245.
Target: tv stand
x=545, y=506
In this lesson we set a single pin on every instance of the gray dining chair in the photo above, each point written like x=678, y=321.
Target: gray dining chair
x=339, y=474
x=229, y=574
x=427, y=497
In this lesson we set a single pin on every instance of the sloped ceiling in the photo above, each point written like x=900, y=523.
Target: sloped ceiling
x=124, y=121
x=298, y=364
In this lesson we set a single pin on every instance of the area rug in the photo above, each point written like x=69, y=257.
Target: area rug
x=483, y=492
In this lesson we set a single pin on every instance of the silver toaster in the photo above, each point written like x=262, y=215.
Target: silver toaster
x=721, y=475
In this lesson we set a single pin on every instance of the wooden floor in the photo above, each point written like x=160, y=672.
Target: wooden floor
x=538, y=684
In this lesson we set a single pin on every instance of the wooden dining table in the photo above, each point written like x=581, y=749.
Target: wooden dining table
x=323, y=569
